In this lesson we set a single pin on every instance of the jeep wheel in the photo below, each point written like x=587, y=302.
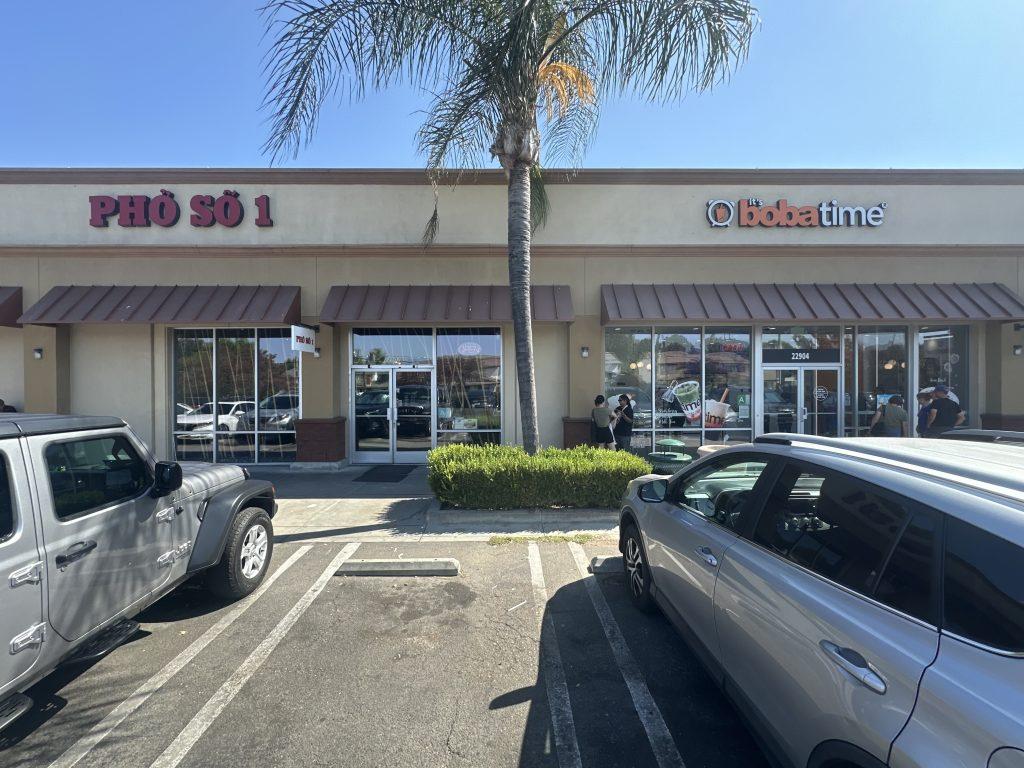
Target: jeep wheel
x=246, y=555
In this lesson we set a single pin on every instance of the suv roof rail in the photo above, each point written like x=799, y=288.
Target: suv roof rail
x=776, y=439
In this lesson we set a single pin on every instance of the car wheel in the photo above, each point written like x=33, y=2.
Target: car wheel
x=246, y=555
x=638, y=573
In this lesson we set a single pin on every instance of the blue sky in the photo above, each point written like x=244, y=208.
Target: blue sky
x=829, y=83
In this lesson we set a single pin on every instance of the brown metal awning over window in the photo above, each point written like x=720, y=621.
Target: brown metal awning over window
x=71, y=304
x=809, y=302
x=10, y=306
x=440, y=304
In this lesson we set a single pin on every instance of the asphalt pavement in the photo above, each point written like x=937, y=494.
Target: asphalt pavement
x=524, y=659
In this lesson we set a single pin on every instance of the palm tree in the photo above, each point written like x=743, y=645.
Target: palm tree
x=500, y=71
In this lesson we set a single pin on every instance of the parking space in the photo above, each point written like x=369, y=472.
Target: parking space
x=524, y=659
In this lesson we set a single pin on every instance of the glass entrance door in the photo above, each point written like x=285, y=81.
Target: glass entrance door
x=801, y=400
x=392, y=415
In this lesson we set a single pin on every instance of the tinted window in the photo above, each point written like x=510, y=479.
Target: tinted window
x=908, y=582
x=93, y=473
x=984, y=587
x=832, y=524
x=6, y=501
x=721, y=491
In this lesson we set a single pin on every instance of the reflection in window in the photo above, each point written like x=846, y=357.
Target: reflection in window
x=255, y=376
x=881, y=370
x=468, y=380
x=942, y=359
x=627, y=371
x=800, y=337
x=677, y=385
x=392, y=346
x=727, y=372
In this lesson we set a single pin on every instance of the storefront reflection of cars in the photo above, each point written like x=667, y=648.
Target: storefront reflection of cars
x=232, y=416
x=279, y=412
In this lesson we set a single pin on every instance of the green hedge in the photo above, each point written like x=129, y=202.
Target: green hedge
x=505, y=477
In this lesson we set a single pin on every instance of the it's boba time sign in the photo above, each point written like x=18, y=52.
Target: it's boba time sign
x=754, y=212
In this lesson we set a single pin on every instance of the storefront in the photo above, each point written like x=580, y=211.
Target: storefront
x=278, y=316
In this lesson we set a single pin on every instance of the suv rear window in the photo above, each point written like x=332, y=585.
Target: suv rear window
x=832, y=524
x=94, y=472
x=6, y=501
x=984, y=587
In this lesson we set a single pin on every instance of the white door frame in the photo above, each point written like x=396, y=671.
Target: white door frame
x=801, y=415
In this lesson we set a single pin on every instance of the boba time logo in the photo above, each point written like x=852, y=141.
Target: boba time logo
x=753, y=212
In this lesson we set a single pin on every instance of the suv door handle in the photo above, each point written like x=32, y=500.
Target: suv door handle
x=856, y=665
x=75, y=552
x=705, y=554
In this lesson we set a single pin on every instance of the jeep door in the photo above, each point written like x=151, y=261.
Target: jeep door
x=689, y=534
x=827, y=615
x=21, y=619
x=102, y=538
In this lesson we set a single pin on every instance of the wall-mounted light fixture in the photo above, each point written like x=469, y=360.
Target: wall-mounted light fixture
x=37, y=353
x=316, y=352
x=584, y=351
x=1018, y=349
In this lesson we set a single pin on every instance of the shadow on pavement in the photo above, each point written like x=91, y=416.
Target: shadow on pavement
x=341, y=483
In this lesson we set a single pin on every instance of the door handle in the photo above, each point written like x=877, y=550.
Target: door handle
x=856, y=665
x=705, y=554
x=75, y=552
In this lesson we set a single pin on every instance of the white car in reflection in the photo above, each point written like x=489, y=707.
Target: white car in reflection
x=230, y=416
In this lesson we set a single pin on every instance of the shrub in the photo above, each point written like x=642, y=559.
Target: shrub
x=505, y=477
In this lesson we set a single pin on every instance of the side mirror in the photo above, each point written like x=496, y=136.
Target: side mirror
x=654, y=491
x=167, y=478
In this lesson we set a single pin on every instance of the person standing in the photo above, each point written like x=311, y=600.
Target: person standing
x=893, y=417
x=944, y=414
x=623, y=429
x=601, y=416
x=924, y=405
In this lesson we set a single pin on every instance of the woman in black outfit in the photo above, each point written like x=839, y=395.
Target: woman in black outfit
x=623, y=424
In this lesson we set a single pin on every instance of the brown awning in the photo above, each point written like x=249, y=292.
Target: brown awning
x=67, y=304
x=440, y=304
x=10, y=306
x=809, y=302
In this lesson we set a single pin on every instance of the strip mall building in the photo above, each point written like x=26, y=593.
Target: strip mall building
x=724, y=303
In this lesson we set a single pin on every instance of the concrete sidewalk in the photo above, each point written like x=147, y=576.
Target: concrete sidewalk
x=337, y=506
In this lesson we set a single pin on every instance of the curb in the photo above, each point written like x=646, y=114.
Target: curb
x=425, y=566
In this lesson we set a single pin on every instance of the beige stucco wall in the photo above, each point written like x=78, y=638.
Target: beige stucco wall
x=112, y=374
x=12, y=368
x=47, y=214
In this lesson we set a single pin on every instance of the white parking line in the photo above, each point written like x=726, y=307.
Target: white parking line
x=198, y=725
x=84, y=745
x=562, y=725
x=662, y=743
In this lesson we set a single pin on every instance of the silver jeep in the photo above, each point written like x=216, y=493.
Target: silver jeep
x=93, y=530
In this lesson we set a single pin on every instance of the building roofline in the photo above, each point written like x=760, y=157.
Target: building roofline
x=492, y=177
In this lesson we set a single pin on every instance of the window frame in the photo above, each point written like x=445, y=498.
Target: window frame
x=939, y=546
x=942, y=597
x=5, y=467
x=758, y=492
x=141, y=455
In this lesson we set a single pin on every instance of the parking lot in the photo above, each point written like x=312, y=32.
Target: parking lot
x=523, y=659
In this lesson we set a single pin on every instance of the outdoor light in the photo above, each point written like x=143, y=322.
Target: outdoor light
x=584, y=351
x=632, y=366
x=37, y=353
x=1018, y=349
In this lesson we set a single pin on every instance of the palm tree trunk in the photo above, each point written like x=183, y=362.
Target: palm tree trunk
x=519, y=233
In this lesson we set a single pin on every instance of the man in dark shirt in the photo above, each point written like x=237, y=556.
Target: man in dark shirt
x=623, y=424
x=944, y=413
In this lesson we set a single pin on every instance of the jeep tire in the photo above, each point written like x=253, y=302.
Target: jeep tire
x=246, y=557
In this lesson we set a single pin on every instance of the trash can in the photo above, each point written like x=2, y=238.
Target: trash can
x=668, y=462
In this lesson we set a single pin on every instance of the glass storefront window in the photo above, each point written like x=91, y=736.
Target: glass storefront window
x=236, y=395
x=942, y=354
x=627, y=371
x=881, y=370
x=468, y=379
x=800, y=337
x=392, y=346
x=695, y=382
x=678, y=383
x=727, y=370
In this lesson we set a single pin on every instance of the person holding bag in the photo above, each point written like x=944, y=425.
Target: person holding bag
x=891, y=419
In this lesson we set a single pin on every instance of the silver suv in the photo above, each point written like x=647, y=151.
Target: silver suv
x=860, y=601
x=93, y=529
